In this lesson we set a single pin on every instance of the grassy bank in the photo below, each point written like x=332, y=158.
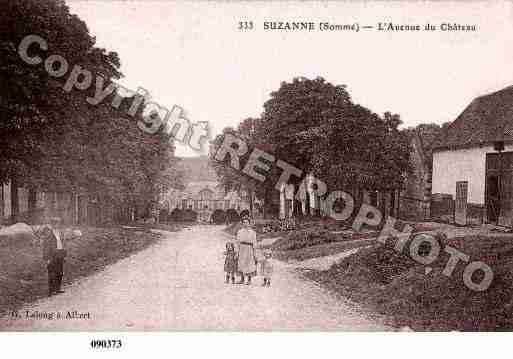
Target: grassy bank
x=319, y=239
x=312, y=239
x=320, y=250
x=23, y=276
x=392, y=284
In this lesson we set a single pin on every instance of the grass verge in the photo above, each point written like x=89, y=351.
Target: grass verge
x=320, y=250
x=394, y=285
x=23, y=275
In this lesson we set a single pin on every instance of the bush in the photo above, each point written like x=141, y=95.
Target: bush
x=219, y=216
x=287, y=224
x=302, y=239
x=261, y=227
x=176, y=215
x=244, y=213
x=16, y=234
x=232, y=215
x=190, y=216
x=164, y=215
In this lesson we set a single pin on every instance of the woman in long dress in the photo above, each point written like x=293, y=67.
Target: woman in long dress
x=245, y=247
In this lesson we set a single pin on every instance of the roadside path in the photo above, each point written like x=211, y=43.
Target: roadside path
x=178, y=284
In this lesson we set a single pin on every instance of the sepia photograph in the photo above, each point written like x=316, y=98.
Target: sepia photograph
x=237, y=166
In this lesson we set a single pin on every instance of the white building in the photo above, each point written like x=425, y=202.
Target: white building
x=473, y=162
x=202, y=192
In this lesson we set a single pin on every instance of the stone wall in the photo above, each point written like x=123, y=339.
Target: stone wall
x=442, y=207
x=414, y=209
x=476, y=213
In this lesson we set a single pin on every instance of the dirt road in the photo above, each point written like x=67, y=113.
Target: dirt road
x=178, y=284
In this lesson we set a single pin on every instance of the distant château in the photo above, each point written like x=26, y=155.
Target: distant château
x=202, y=192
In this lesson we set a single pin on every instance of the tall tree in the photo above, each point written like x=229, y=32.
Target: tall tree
x=314, y=125
x=54, y=140
x=360, y=150
x=34, y=106
x=428, y=133
x=229, y=178
x=295, y=108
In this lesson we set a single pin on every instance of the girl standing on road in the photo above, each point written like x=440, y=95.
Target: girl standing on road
x=267, y=268
x=230, y=263
x=245, y=248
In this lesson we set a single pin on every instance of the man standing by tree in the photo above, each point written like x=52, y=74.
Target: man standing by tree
x=52, y=239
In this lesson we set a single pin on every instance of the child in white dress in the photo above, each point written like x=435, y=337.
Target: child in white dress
x=267, y=268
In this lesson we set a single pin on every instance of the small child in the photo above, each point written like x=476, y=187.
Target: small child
x=267, y=268
x=230, y=263
x=259, y=255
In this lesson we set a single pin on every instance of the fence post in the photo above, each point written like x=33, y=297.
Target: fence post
x=398, y=204
x=2, y=205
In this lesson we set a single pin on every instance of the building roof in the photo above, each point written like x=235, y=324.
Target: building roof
x=193, y=189
x=197, y=169
x=199, y=177
x=487, y=119
x=206, y=189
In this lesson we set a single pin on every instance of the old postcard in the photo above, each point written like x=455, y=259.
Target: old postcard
x=255, y=166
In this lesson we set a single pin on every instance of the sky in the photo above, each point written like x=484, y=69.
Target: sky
x=191, y=54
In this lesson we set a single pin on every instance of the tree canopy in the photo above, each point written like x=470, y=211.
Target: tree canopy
x=314, y=126
x=229, y=178
x=55, y=140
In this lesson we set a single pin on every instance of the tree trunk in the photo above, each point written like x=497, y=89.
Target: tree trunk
x=268, y=203
x=2, y=203
x=32, y=204
x=263, y=208
x=251, y=200
x=86, y=212
x=76, y=217
x=307, y=203
x=15, y=203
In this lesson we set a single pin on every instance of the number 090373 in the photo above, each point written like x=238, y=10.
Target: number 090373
x=106, y=344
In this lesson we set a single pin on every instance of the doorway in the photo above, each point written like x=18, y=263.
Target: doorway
x=493, y=206
x=460, y=205
x=499, y=188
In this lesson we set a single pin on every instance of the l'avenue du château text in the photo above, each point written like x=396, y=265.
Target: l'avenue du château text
x=444, y=26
